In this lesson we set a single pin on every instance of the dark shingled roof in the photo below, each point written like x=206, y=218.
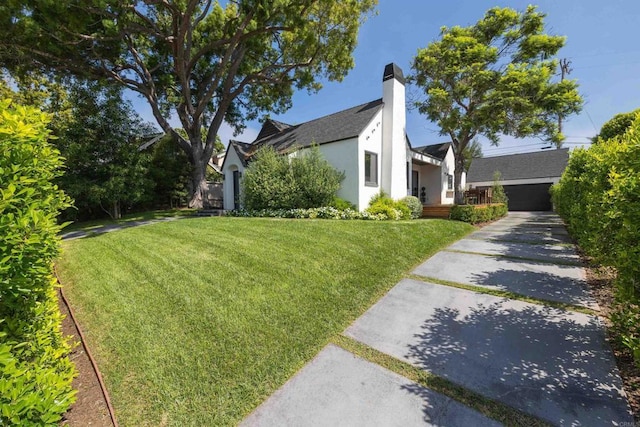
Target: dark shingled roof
x=334, y=127
x=541, y=164
x=439, y=151
x=242, y=148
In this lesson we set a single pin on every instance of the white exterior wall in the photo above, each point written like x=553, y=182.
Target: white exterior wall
x=447, y=197
x=370, y=140
x=232, y=163
x=431, y=178
x=394, y=152
x=449, y=167
x=344, y=156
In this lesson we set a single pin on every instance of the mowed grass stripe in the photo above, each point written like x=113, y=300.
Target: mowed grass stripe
x=197, y=321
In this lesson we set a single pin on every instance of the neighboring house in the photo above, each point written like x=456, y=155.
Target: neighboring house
x=526, y=177
x=216, y=161
x=367, y=142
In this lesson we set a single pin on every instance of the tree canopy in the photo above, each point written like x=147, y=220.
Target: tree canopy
x=494, y=78
x=202, y=60
x=617, y=126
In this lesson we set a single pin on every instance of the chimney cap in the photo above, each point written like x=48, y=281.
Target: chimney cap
x=393, y=71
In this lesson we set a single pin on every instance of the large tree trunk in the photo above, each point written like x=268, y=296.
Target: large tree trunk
x=116, y=210
x=457, y=178
x=199, y=186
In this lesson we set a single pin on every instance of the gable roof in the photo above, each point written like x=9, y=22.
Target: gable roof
x=242, y=149
x=272, y=127
x=338, y=126
x=439, y=151
x=540, y=164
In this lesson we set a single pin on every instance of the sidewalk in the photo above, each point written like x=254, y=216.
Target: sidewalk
x=546, y=357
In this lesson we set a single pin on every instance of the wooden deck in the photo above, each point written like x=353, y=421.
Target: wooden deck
x=436, y=211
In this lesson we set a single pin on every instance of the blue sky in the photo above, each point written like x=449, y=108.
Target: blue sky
x=602, y=45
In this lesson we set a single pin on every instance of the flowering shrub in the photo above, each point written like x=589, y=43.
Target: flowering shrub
x=327, y=212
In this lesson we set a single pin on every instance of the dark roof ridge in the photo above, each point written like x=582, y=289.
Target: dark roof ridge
x=370, y=104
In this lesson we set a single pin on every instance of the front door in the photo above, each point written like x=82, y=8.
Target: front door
x=236, y=190
x=414, y=183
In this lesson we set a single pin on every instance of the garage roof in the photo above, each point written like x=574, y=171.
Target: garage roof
x=540, y=164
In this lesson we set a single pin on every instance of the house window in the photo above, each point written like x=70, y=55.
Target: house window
x=370, y=169
x=449, y=182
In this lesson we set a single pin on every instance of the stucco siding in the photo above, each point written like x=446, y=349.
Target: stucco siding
x=343, y=156
x=232, y=163
x=369, y=140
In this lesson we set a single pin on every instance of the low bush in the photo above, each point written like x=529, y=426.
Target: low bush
x=35, y=372
x=475, y=214
x=342, y=204
x=598, y=196
x=414, y=205
x=313, y=213
x=381, y=203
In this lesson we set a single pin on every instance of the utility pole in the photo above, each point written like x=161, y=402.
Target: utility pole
x=565, y=69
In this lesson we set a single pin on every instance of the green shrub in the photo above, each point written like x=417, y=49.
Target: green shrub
x=598, y=196
x=475, y=214
x=342, y=204
x=274, y=181
x=268, y=182
x=327, y=212
x=616, y=126
x=497, y=190
x=414, y=205
x=381, y=203
x=35, y=372
x=316, y=180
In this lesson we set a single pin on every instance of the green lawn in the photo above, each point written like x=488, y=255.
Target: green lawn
x=197, y=321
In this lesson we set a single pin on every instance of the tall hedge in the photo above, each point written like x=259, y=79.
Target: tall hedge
x=274, y=181
x=35, y=372
x=599, y=198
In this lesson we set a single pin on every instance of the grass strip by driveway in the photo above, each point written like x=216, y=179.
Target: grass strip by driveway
x=489, y=407
x=196, y=322
x=504, y=294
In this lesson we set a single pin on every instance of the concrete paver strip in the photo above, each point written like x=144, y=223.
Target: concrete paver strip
x=551, y=253
x=527, y=228
x=561, y=283
x=547, y=362
x=511, y=236
x=340, y=389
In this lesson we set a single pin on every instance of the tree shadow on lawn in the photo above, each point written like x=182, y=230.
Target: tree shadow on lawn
x=543, y=361
x=542, y=285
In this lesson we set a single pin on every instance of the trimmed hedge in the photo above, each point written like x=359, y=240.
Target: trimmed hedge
x=598, y=196
x=475, y=214
x=35, y=372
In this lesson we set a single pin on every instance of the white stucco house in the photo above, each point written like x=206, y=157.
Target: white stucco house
x=368, y=142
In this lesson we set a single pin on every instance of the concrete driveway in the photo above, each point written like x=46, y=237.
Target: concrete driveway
x=551, y=363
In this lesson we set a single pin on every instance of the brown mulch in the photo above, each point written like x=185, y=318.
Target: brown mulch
x=600, y=280
x=90, y=407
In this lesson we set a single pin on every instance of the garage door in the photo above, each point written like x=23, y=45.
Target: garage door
x=530, y=197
